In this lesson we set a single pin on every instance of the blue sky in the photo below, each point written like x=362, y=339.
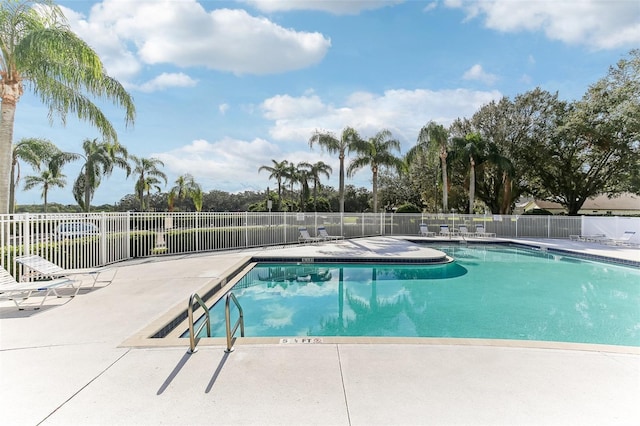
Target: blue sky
x=223, y=87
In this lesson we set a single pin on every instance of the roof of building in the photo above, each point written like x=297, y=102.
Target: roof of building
x=624, y=201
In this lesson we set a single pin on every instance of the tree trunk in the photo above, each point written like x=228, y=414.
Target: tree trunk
x=341, y=183
x=7, y=114
x=375, y=188
x=445, y=189
x=87, y=191
x=472, y=185
x=45, y=192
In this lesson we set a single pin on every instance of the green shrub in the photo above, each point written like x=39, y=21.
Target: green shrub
x=408, y=208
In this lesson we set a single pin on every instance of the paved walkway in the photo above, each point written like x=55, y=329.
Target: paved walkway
x=66, y=364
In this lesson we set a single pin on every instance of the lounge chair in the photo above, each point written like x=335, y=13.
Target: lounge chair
x=481, y=232
x=444, y=231
x=10, y=289
x=322, y=233
x=594, y=237
x=464, y=231
x=424, y=231
x=306, y=238
x=41, y=267
x=624, y=240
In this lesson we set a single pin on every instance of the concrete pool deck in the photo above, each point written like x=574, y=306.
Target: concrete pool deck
x=66, y=364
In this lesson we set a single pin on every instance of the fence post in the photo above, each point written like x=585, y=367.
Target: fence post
x=26, y=235
x=548, y=226
x=246, y=229
x=284, y=226
x=103, y=239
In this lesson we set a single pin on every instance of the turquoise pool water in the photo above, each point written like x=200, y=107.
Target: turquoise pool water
x=492, y=292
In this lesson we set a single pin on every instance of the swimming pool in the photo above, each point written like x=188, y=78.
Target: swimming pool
x=489, y=292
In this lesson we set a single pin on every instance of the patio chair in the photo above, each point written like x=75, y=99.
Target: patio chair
x=481, y=232
x=322, y=233
x=41, y=267
x=445, y=231
x=10, y=289
x=424, y=231
x=306, y=238
x=464, y=231
x=624, y=240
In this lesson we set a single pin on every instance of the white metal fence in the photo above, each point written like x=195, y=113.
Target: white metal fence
x=96, y=239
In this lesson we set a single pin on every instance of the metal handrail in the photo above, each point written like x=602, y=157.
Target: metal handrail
x=193, y=340
x=227, y=316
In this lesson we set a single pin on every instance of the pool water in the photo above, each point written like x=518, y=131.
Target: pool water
x=493, y=292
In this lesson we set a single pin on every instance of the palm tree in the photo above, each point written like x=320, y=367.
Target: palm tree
x=99, y=160
x=303, y=176
x=374, y=153
x=291, y=178
x=436, y=134
x=330, y=143
x=32, y=151
x=148, y=177
x=197, y=196
x=185, y=186
x=278, y=172
x=38, y=47
x=48, y=179
x=317, y=169
x=469, y=149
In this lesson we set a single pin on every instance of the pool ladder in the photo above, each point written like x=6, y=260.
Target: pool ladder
x=193, y=340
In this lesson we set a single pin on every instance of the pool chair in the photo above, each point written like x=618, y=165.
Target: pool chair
x=445, y=231
x=306, y=238
x=481, y=232
x=463, y=231
x=322, y=233
x=424, y=231
x=624, y=240
x=40, y=267
x=10, y=289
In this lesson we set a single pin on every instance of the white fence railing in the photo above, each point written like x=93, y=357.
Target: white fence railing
x=96, y=239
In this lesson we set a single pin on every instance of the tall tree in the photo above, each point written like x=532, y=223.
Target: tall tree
x=185, y=186
x=469, y=150
x=39, y=48
x=317, y=169
x=47, y=179
x=278, y=172
x=99, y=160
x=32, y=151
x=330, y=143
x=376, y=152
x=434, y=134
x=595, y=148
x=149, y=175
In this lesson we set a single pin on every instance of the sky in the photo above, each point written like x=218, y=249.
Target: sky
x=222, y=88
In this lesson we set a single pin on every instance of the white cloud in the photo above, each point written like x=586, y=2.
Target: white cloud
x=476, y=72
x=167, y=80
x=595, y=23
x=129, y=33
x=336, y=7
x=223, y=108
x=210, y=162
x=431, y=6
x=403, y=112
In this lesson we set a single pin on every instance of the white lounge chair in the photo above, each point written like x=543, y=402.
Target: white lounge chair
x=41, y=267
x=305, y=237
x=481, y=232
x=624, y=240
x=464, y=231
x=10, y=289
x=424, y=231
x=322, y=233
x=445, y=231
